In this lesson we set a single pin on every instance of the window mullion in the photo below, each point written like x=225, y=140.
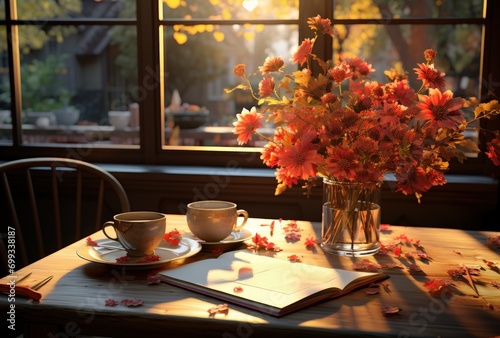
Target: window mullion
x=150, y=75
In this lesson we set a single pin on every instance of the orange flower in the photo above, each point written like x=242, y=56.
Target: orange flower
x=239, y=69
x=272, y=64
x=302, y=52
x=300, y=159
x=429, y=54
x=322, y=26
x=266, y=86
x=248, y=122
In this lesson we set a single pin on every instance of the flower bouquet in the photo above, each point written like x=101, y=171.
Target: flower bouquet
x=337, y=123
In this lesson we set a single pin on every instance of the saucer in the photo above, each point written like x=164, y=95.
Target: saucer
x=108, y=251
x=233, y=238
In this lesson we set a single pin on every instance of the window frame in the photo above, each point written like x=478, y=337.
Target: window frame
x=149, y=24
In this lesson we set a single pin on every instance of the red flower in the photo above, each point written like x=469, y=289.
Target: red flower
x=342, y=163
x=494, y=151
x=401, y=92
x=412, y=180
x=441, y=110
x=430, y=76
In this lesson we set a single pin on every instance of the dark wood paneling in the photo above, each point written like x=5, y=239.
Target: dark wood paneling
x=465, y=203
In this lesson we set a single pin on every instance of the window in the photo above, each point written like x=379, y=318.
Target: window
x=143, y=81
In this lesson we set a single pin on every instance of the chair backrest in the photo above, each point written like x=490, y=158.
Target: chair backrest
x=50, y=202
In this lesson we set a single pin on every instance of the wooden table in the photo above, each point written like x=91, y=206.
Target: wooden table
x=73, y=301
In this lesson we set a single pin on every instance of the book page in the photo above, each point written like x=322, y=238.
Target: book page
x=271, y=281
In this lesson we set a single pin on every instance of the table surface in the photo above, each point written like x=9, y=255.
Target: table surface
x=73, y=301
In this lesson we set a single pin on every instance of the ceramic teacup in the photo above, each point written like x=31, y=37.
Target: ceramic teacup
x=139, y=232
x=212, y=221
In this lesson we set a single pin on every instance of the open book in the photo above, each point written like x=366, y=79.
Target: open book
x=270, y=285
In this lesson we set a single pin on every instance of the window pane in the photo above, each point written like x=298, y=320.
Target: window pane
x=397, y=9
x=5, y=114
x=231, y=10
x=48, y=9
x=70, y=84
x=458, y=50
x=202, y=67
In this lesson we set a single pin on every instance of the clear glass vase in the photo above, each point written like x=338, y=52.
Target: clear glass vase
x=351, y=218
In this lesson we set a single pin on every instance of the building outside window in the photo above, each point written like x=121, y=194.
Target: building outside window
x=128, y=81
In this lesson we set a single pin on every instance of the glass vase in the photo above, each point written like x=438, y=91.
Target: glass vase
x=351, y=218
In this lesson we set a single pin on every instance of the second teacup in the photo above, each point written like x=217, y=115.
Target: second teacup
x=139, y=232
x=212, y=221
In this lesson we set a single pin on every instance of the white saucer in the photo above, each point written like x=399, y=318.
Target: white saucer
x=235, y=237
x=107, y=251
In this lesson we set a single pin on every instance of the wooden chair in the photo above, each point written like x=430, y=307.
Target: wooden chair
x=50, y=202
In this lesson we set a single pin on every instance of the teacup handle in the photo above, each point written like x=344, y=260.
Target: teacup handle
x=243, y=213
x=109, y=224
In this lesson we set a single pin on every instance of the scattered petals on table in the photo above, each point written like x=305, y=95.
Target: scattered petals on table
x=492, y=265
x=397, y=251
x=294, y=258
x=385, y=227
x=437, y=285
x=414, y=268
x=132, y=302
x=111, y=302
x=493, y=241
x=392, y=266
x=221, y=308
x=126, y=302
x=218, y=251
x=366, y=265
x=173, y=237
x=310, y=242
x=292, y=236
x=292, y=231
x=91, y=242
x=134, y=260
x=261, y=242
x=153, y=279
